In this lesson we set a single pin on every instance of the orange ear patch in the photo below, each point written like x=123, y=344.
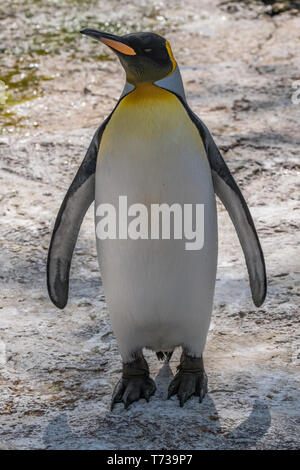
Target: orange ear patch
x=171, y=56
x=118, y=46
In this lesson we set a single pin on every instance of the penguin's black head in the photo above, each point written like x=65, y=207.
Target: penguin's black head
x=146, y=57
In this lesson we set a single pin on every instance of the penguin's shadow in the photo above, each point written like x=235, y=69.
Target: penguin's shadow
x=246, y=434
x=118, y=429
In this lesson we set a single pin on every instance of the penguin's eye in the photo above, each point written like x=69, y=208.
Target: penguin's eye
x=148, y=50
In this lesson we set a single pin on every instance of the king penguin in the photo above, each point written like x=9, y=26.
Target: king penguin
x=155, y=150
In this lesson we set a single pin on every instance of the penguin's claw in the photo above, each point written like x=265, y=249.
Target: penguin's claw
x=187, y=388
x=186, y=384
x=117, y=394
x=190, y=380
x=173, y=387
x=148, y=391
x=131, y=390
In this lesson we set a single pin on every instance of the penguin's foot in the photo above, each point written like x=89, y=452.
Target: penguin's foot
x=190, y=379
x=134, y=384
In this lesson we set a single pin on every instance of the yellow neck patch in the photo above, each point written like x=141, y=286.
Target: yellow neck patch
x=148, y=123
x=144, y=92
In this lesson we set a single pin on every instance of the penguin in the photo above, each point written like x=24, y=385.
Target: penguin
x=155, y=150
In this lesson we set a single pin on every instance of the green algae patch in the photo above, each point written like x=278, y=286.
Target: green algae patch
x=18, y=84
x=35, y=30
x=9, y=121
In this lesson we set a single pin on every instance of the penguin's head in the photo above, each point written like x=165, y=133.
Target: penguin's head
x=146, y=57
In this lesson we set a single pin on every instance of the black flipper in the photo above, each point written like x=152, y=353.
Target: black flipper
x=79, y=197
x=228, y=191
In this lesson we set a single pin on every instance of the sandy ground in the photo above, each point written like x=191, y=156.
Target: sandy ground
x=58, y=368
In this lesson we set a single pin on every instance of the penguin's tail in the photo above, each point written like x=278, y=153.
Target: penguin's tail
x=164, y=355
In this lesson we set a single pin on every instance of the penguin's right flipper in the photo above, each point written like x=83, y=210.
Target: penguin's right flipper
x=79, y=197
x=230, y=194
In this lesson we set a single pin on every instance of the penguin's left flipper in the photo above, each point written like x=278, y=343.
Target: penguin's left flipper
x=228, y=191
x=72, y=211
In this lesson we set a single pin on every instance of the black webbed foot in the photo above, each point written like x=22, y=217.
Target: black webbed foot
x=134, y=384
x=190, y=379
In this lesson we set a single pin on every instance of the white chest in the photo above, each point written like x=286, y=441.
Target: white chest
x=152, y=153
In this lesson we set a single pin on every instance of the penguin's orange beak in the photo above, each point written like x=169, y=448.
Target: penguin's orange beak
x=116, y=43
